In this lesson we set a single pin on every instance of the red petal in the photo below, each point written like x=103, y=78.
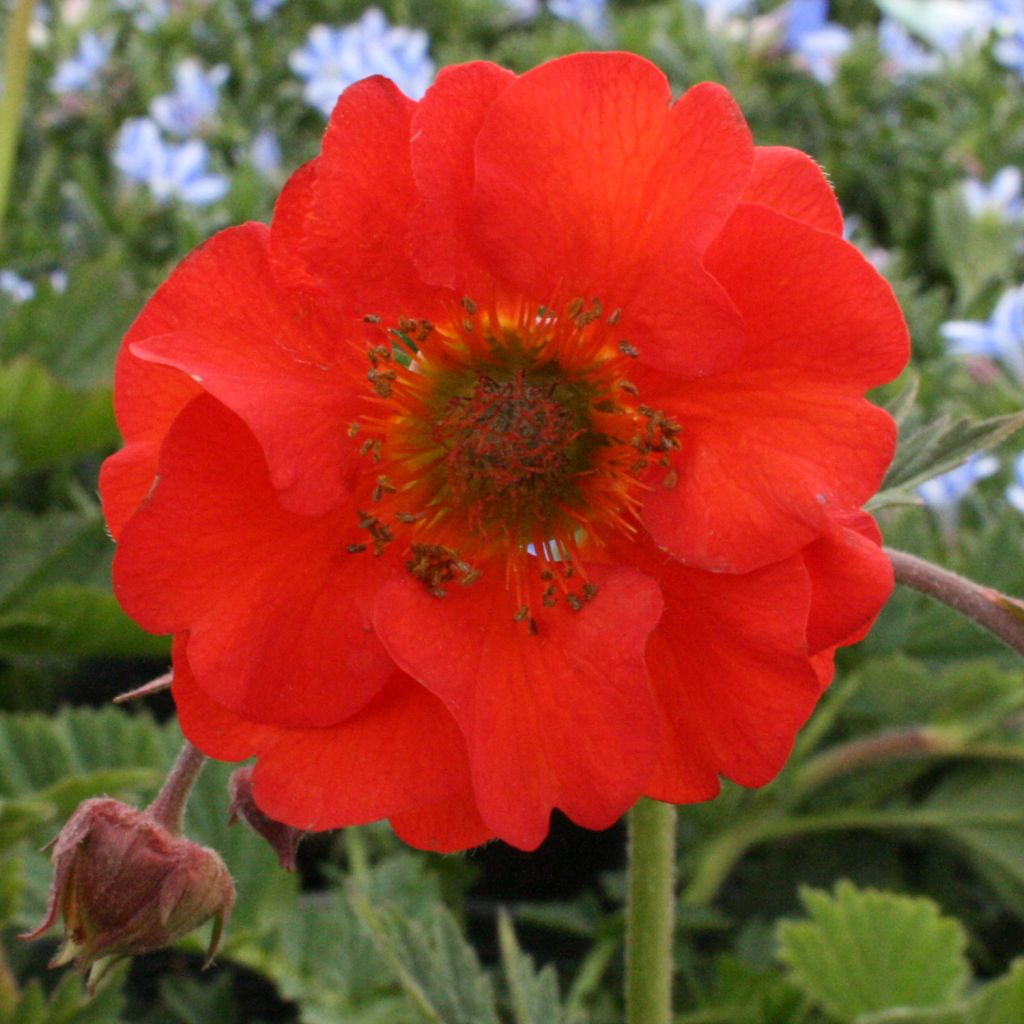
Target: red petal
x=781, y=437
x=357, y=238
x=851, y=579
x=286, y=370
x=371, y=766
x=289, y=227
x=560, y=719
x=790, y=182
x=444, y=131
x=590, y=184
x=275, y=607
x=444, y=827
x=731, y=676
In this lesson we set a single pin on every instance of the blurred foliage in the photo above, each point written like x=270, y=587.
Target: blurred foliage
x=909, y=778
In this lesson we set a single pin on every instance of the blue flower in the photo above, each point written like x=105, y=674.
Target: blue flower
x=943, y=494
x=193, y=102
x=15, y=287
x=1000, y=337
x=146, y=14
x=1009, y=51
x=263, y=9
x=590, y=15
x=265, y=153
x=1015, y=492
x=718, y=12
x=1000, y=199
x=168, y=170
x=80, y=72
x=905, y=57
x=817, y=43
x=334, y=58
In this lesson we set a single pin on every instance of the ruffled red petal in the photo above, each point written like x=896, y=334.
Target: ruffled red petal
x=591, y=184
x=370, y=766
x=289, y=227
x=276, y=609
x=851, y=579
x=355, y=222
x=792, y=183
x=731, y=676
x=783, y=437
x=290, y=371
x=444, y=131
x=562, y=718
x=443, y=827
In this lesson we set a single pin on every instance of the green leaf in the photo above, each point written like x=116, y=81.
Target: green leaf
x=940, y=446
x=46, y=421
x=1000, y=1001
x=865, y=951
x=432, y=961
x=747, y=995
x=77, y=622
x=70, y=1004
x=194, y=1002
x=533, y=994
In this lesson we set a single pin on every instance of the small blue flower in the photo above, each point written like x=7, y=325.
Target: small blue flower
x=719, y=12
x=1009, y=51
x=943, y=494
x=334, y=58
x=146, y=14
x=817, y=43
x=168, y=170
x=193, y=102
x=1000, y=337
x=15, y=287
x=80, y=72
x=1000, y=198
x=904, y=56
x=263, y=9
x=1015, y=492
x=590, y=15
x=265, y=153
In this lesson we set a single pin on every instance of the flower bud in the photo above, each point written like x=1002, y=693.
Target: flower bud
x=124, y=884
x=283, y=838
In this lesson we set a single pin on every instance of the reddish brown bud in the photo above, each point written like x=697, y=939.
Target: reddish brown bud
x=124, y=885
x=283, y=838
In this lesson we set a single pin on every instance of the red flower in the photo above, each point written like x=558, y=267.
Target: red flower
x=517, y=465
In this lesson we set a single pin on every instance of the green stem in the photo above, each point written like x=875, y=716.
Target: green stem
x=650, y=913
x=12, y=99
x=169, y=806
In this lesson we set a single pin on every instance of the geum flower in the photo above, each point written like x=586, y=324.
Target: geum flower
x=518, y=465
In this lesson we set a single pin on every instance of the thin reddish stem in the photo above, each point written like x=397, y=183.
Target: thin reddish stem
x=169, y=806
x=1001, y=615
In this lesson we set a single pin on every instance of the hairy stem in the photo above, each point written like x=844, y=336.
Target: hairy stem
x=169, y=806
x=650, y=913
x=1001, y=615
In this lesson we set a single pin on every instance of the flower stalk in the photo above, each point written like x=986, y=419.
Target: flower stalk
x=1001, y=615
x=168, y=808
x=650, y=912
x=12, y=96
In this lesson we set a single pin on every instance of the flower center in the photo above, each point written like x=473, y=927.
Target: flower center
x=519, y=437
x=512, y=444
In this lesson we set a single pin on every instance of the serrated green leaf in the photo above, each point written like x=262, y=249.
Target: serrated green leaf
x=900, y=405
x=46, y=421
x=939, y=446
x=196, y=1002
x=1000, y=1001
x=747, y=995
x=433, y=962
x=865, y=951
x=533, y=994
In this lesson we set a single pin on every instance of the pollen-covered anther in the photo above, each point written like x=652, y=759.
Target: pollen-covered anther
x=378, y=530
x=435, y=566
